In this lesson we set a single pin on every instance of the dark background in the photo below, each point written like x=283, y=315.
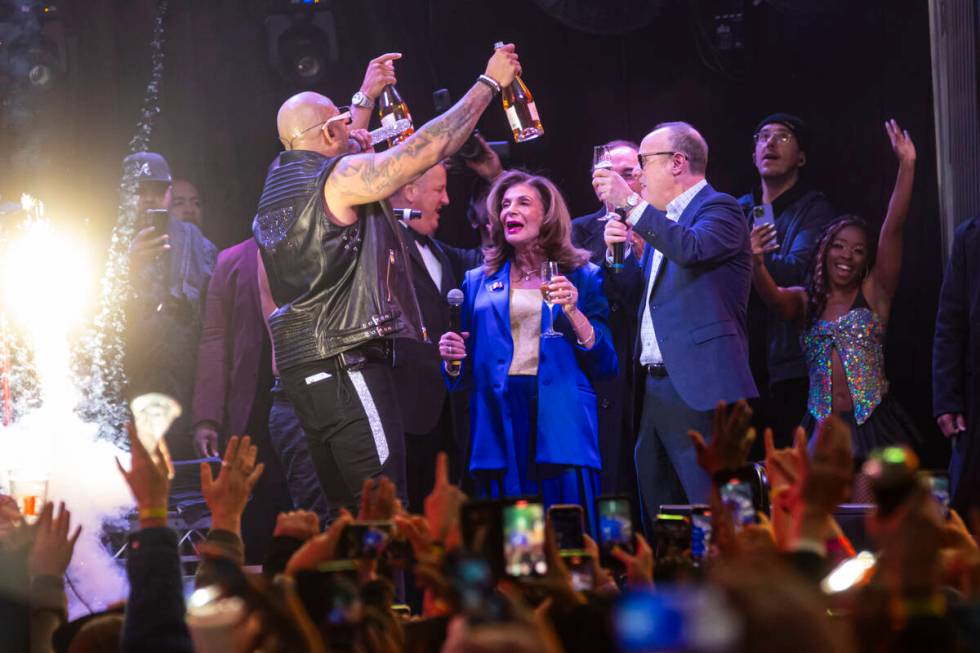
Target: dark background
x=844, y=66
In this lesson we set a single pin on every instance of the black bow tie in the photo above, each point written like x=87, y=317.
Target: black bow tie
x=424, y=241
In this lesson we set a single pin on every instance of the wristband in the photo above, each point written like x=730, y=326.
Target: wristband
x=153, y=513
x=588, y=341
x=490, y=82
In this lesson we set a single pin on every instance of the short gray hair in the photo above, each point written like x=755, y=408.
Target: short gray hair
x=684, y=138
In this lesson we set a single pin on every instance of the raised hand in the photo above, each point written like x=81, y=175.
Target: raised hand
x=380, y=73
x=53, y=546
x=361, y=139
x=901, y=142
x=764, y=239
x=298, y=524
x=148, y=480
x=227, y=495
x=610, y=187
x=731, y=439
x=504, y=65
x=639, y=566
x=146, y=246
x=487, y=165
x=378, y=500
x=319, y=548
x=442, y=506
x=829, y=473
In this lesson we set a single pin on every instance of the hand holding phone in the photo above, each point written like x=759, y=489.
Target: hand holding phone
x=615, y=529
x=524, y=554
x=568, y=523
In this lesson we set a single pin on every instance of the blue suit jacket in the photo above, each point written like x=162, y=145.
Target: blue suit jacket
x=699, y=298
x=567, y=429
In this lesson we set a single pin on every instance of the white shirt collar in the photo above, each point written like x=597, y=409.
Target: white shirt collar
x=677, y=205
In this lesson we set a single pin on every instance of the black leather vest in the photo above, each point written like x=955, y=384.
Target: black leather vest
x=336, y=287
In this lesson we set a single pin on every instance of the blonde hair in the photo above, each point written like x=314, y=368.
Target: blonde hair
x=555, y=237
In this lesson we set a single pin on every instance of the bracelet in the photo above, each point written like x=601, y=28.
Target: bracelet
x=588, y=341
x=490, y=82
x=153, y=513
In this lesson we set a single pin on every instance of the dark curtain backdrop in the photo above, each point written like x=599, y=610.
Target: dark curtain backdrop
x=845, y=70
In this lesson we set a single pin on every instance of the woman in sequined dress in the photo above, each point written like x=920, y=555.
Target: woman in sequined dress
x=843, y=314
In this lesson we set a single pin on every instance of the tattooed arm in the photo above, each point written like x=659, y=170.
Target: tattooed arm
x=364, y=178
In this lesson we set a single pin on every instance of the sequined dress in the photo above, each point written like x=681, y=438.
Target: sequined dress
x=876, y=419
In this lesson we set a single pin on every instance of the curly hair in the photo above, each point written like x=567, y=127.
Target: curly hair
x=817, y=289
x=555, y=238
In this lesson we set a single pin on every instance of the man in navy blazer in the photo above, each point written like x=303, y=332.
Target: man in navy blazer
x=691, y=292
x=956, y=363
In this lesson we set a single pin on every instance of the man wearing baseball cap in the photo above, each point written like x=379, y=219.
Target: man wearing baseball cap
x=170, y=265
x=788, y=216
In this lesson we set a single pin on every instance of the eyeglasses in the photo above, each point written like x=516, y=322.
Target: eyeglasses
x=344, y=116
x=780, y=136
x=642, y=157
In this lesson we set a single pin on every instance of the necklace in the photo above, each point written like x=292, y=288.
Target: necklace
x=524, y=275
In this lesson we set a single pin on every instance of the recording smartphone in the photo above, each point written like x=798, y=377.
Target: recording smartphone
x=473, y=587
x=671, y=535
x=159, y=219
x=524, y=539
x=568, y=524
x=364, y=540
x=762, y=215
x=938, y=483
x=481, y=527
x=581, y=570
x=736, y=495
x=615, y=528
x=700, y=534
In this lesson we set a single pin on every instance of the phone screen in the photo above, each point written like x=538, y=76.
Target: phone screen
x=566, y=521
x=159, y=219
x=672, y=534
x=737, y=496
x=581, y=571
x=700, y=534
x=481, y=529
x=615, y=524
x=939, y=485
x=524, y=539
x=364, y=540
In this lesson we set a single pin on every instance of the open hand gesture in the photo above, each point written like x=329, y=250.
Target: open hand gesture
x=53, y=546
x=901, y=142
x=731, y=439
x=227, y=495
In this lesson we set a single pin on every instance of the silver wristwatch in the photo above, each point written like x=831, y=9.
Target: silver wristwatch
x=361, y=100
x=632, y=200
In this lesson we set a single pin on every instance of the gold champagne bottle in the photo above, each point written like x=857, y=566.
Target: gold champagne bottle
x=522, y=115
x=391, y=108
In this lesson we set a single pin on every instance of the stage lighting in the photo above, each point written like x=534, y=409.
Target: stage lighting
x=302, y=45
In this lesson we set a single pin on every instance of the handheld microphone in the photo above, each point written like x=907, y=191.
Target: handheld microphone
x=407, y=214
x=619, y=249
x=455, y=299
x=396, y=128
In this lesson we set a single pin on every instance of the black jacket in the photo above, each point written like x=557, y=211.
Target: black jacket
x=336, y=287
x=801, y=216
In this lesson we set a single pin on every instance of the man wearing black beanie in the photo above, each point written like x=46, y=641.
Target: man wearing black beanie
x=784, y=205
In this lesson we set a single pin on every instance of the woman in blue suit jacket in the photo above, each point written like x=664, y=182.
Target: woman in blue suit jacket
x=532, y=404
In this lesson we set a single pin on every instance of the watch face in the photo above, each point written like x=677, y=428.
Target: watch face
x=360, y=100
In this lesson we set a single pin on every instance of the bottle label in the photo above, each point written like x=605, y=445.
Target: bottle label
x=533, y=111
x=388, y=120
x=513, y=119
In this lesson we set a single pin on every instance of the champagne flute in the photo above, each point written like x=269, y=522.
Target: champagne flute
x=602, y=160
x=549, y=270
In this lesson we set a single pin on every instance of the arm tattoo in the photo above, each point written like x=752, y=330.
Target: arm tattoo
x=369, y=177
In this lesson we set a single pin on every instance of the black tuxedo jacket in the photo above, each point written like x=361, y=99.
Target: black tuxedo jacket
x=421, y=388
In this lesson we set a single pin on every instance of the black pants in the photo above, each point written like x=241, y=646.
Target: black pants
x=353, y=426
x=421, y=451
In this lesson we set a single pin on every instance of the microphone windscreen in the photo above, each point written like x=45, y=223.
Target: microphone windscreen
x=455, y=297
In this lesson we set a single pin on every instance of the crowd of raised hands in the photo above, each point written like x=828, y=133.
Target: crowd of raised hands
x=763, y=585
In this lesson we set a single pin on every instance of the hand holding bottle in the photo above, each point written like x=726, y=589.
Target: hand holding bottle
x=504, y=66
x=380, y=73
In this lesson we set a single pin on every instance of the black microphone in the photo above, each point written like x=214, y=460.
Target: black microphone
x=407, y=214
x=619, y=249
x=455, y=299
